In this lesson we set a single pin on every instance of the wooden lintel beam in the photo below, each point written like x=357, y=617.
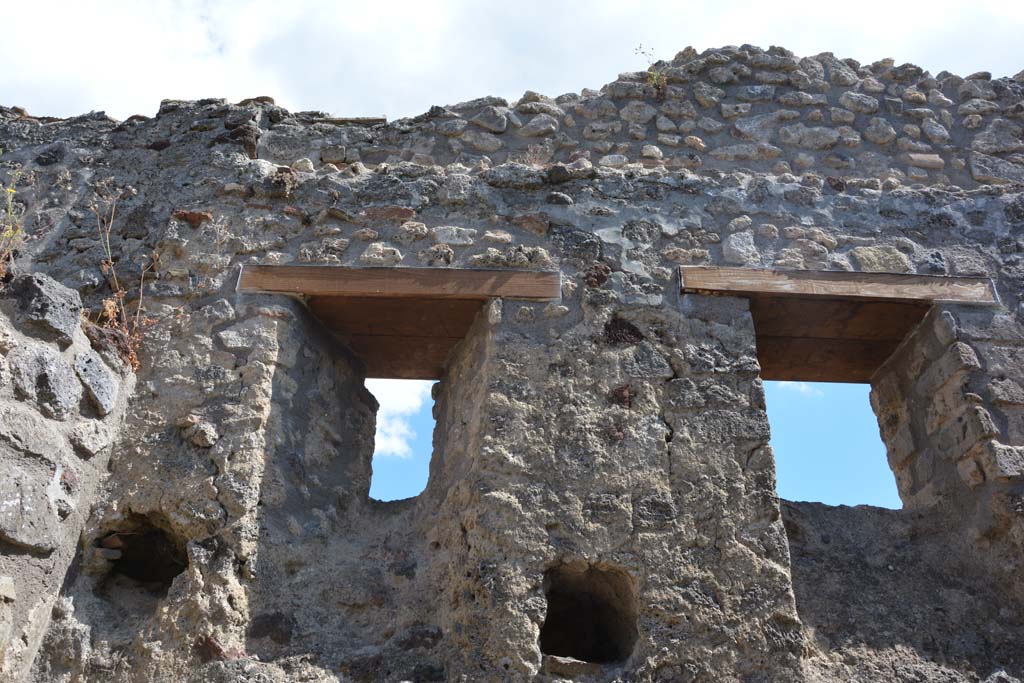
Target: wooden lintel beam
x=411, y=283
x=755, y=282
x=821, y=360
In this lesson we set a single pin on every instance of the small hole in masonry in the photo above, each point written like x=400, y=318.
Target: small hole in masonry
x=144, y=555
x=592, y=614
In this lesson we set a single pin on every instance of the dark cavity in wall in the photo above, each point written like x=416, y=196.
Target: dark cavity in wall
x=620, y=331
x=144, y=554
x=591, y=616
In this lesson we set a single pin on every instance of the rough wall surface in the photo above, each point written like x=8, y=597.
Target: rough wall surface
x=62, y=398
x=614, y=441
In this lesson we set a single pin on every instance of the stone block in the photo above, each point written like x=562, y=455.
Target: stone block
x=960, y=435
x=1001, y=136
x=25, y=431
x=814, y=137
x=90, y=438
x=1006, y=391
x=881, y=259
x=858, y=102
x=990, y=169
x=1002, y=360
x=52, y=311
x=926, y=161
x=975, y=323
x=26, y=518
x=481, y=141
x=381, y=254
x=945, y=404
x=900, y=446
x=739, y=248
x=541, y=125
x=332, y=154
x=101, y=385
x=450, y=234
x=1000, y=462
x=942, y=325
x=42, y=376
x=971, y=472
x=638, y=112
x=885, y=391
x=491, y=119
x=959, y=358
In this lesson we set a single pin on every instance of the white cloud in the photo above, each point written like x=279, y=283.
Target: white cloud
x=398, y=58
x=399, y=401
x=804, y=388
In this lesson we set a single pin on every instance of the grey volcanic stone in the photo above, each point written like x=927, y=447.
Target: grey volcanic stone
x=491, y=119
x=100, y=383
x=813, y=137
x=1000, y=136
x=23, y=430
x=540, y=125
x=862, y=104
x=990, y=169
x=880, y=131
x=739, y=248
x=90, y=438
x=638, y=112
x=26, y=519
x=482, y=141
x=53, y=311
x=43, y=376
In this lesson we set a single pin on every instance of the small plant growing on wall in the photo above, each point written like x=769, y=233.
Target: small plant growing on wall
x=655, y=70
x=10, y=226
x=114, y=311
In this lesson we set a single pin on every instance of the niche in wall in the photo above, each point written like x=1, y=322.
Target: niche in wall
x=143, y=557
x=591, y=615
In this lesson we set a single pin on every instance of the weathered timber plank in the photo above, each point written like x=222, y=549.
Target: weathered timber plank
x=837, y=284
x=396, y=317
x=401, y=357
x=821, y=360
x=835, y=318
x=415, y=283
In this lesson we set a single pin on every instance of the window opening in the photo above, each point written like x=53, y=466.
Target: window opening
x=403, y=442
x=827, y=445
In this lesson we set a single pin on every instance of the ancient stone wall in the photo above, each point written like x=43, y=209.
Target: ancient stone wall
x=62, y=397
x=604, y=452
x=948, y=404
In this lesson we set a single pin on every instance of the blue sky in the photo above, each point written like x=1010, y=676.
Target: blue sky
x=825, y=438
x=827, y=446
x=405, y=428
x=356, y=58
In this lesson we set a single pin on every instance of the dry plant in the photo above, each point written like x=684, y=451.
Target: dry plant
x=655, y=71
x=10, y=226
x=114, y=313
x=535, y=156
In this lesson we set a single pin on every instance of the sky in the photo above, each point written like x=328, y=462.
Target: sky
x=397, y=58
x=824, y=436
x=404, y=439
x=827, y=445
